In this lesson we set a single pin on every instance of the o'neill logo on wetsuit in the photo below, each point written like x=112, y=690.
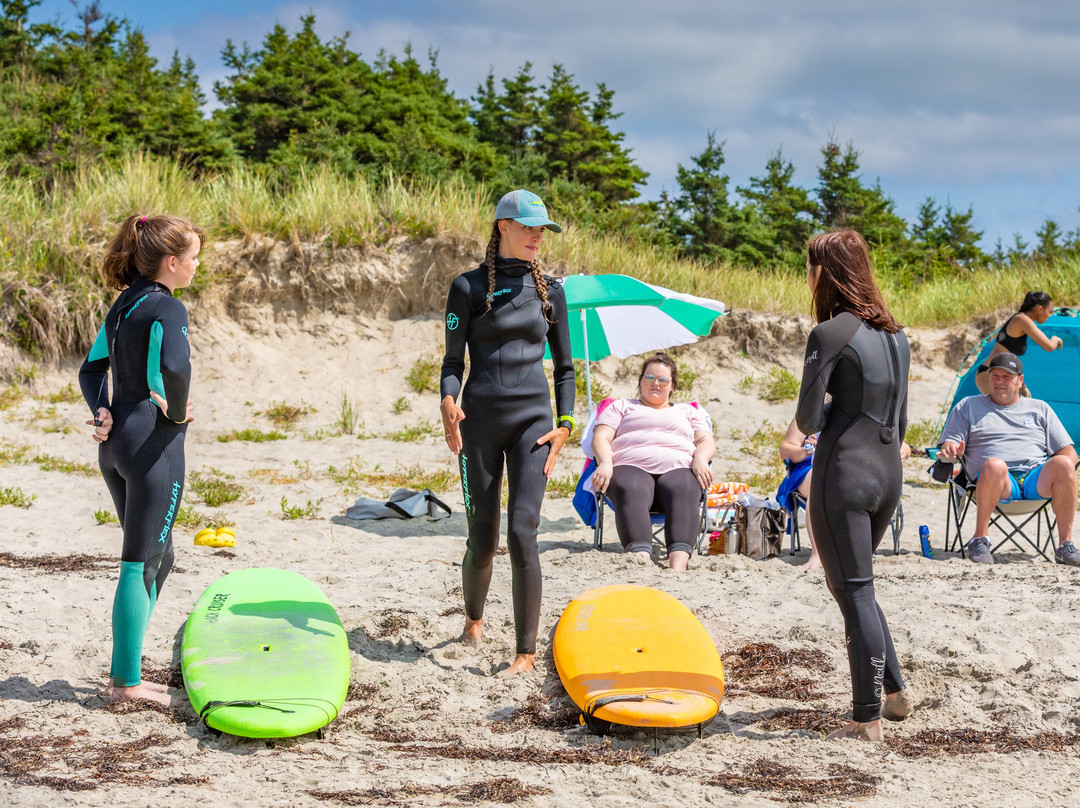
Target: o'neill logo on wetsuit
x=810, y=358
x=452, y=321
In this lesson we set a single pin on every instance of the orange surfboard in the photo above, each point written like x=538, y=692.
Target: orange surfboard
x=636, y=656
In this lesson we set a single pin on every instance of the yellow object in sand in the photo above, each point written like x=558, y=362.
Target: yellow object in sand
x=636, y=656
x=221, y=537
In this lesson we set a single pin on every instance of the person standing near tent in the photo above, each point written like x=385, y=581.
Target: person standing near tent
x=140, y=431
x=858, y=354
x=1012, y=337
x=506, y=311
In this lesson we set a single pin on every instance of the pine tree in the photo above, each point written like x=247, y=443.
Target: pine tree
x=846, y=202
x=785, y=211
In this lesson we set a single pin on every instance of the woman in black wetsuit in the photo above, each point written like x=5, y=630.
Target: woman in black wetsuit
x=506, y=311
x=140, y=428
x=1013, y=335
x=859, y=355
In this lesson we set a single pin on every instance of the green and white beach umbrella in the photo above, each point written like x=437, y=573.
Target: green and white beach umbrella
x=618, y=315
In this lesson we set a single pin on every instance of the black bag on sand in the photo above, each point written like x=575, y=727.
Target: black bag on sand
x=403, y=504
x=761, y=530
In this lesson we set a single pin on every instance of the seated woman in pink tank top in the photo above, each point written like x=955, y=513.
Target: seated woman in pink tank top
x=651, y=453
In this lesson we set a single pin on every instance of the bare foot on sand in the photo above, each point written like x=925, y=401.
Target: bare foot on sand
x=868, y=731
x=523, y=662
x=897, y=706
x=148, y=685
x=471, y=635
x=814, y=563
x=143, y=691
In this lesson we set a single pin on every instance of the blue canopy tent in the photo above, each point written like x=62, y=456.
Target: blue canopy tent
x=1053, y=377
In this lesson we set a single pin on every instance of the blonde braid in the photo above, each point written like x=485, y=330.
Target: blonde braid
x=541, y=288
x=489, y=262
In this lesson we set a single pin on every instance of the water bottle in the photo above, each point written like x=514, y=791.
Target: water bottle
x=809, y=447
x=924, y=540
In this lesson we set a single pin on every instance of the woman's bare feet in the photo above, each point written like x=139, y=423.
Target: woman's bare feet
x=522, y=663
x=678, y=559
x=142, y=691
x=148, y=685
x=815, y=561
x=897, y=706
x=471, y=636
x=865, y=731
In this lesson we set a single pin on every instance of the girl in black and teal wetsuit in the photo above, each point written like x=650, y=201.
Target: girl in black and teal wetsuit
x=140, y=427
x=506, y=311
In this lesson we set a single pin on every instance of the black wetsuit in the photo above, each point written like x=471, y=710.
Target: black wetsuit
x=144, y=342
x=507, y=407
x=857, y=479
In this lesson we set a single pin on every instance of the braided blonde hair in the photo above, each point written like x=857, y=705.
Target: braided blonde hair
x=492, y=253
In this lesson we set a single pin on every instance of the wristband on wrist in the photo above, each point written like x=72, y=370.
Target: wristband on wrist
x=570, y=423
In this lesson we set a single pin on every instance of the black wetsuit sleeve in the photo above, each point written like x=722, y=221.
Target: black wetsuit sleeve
x=94, y=374
x=175, y=358
x=559, y=342
x=821, y=355
x=455, y=327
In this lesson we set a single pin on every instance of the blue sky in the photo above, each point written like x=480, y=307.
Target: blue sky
x=970, y=101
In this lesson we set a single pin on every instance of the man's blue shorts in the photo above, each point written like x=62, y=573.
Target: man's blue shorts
x=1025, y=486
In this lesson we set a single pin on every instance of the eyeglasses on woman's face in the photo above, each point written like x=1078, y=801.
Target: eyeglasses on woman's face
x=650, y=378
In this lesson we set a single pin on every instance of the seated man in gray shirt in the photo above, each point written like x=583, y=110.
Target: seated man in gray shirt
x=1016, y=448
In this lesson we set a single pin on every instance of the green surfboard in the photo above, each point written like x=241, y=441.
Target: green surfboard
x=264, y=655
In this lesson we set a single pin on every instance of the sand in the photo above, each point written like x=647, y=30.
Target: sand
x=987, y=650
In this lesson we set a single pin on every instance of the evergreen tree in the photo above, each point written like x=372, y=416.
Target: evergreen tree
x=576, y=142
x=72, y=96
x=1049, y=235
x=707, y=220
x=846, y=202
x=961, y=239
x=785, y=211
x=299, y=100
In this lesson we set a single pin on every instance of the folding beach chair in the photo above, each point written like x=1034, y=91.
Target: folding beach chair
x=1010, y=519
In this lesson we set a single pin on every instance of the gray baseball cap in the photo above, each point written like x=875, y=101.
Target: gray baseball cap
x=526, y=208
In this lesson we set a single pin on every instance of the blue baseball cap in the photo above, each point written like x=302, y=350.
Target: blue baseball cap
x=526, y=208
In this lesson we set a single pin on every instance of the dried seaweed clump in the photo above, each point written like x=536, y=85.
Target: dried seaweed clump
x=456, y=750
x=538, y=714
x=821, y=721
x=389, y=623
x=762, y=668
x=361, y=691
x=930, y=742
x=504, y=790
x=78, y=562
x=171, y=676
x=452, y=611
x=128, y=706
x=32, y=759
x=839, y=782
